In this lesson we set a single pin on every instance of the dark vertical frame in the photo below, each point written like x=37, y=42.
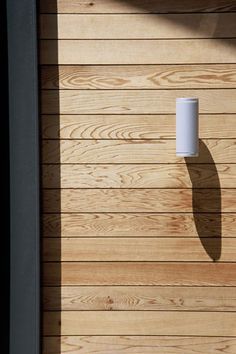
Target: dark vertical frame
x=5, y=221
x=24, y=177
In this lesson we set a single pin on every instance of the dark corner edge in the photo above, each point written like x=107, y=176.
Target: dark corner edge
x=23, y=113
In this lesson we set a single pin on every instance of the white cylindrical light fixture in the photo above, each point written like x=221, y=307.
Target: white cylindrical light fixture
x=187, y=127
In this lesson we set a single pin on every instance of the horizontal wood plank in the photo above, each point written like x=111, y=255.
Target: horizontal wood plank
x=134, y=151
x=135, y=6
x=139, y=176
x=139, y=200
x=133, y=101
x=140, y=249
x=139, y=273
x=138, y=298
x=148, y=26
x=156, y=77
x=131, y=233
x=138, y=225
x=187, y=51
x=137, y=345
x=139, y=323
x=211, y=126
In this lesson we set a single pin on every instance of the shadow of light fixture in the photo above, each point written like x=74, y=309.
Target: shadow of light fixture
x=206, y=191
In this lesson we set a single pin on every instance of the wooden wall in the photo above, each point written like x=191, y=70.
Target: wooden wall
x=139, y=246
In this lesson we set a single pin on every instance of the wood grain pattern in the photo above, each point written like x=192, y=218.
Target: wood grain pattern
x=133, y=101
x=139, y=176
x=133, y=151
x=156, y=77
x=137, y=225
x=137, y=345
x=138, y=200
x=148, y=26
x=138, y=298
x=139, y=249
x=211, y=126
x=139, y=246
x=187, y=51
x=135, y=6
x=139, y=273
x=139, y=323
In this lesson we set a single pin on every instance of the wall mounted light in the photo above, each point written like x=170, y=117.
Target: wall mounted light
x=187, y=127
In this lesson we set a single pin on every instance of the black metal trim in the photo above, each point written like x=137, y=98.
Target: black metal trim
x=5, y=222
x=24, y=177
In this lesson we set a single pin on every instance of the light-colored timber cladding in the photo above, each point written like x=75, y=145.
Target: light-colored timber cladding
x=143, y=26
x=133, y=151
x=139, y=273
x=138, y=224
x=136, y=6
x=139, y=200
x=139, y=298
x=138, y=344
x=138, y=77
x=139, y=323
x=139, y=176
x=187, y=51
x=139, y=248
x=134, y=101
x=125, y=126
